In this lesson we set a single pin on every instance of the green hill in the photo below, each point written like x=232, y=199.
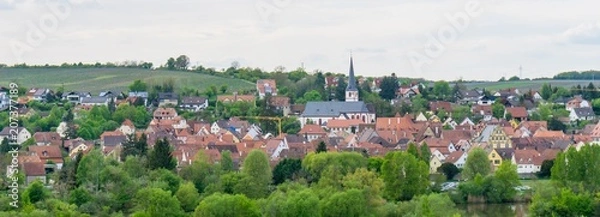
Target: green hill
x=98, y=79
x=526, y=85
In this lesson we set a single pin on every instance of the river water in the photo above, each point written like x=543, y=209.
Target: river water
x=495, y=210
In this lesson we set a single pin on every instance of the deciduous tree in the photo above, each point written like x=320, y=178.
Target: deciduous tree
x=477, y=163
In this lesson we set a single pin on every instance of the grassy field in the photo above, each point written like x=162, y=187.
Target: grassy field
x=98, y=79
x=526, y=85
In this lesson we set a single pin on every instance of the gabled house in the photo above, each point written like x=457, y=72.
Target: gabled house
x=164, y=114
x=47, y=138
x=486, y=100
x=312, y=132
x=266, y=86
x=485, y=111
x=142, y=95
x=468, y=96
x=528, y=161
x=440, y=105
x=434, y=164
x=517, y=113
x=577, y=102
x=193, y=104
x=112, y=139
x=582, y=114
x=217, y=126
x=348, y=126
x=495, y=159
x=34, y=171
x=281, y=104
x=458, y=158
x=127, y=127
x=499, y=138
x=167, y=99
x=20, y=133
x=112, y=94
x=39, y=94
x=75, y=97
x=50, y=155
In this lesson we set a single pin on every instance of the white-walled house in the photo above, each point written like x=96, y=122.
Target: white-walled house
x=528, y=161
x=458, y=158
x=21, y=134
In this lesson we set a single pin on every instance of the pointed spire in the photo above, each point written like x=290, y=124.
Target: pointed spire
x=351, y=79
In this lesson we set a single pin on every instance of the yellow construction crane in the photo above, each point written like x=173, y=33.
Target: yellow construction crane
x=265, y=118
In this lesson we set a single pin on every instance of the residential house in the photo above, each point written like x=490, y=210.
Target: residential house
x=469, y=96
x=421, y=118
x=50, y=155
x=312, y=132
x=75, y=97
x=321, y=112
x=94, y=101
x=528, y=161
x=112, y=139
x=281, y=104
x=164, y=114
x=266, y=86
x=495, y=159
x=194, y=104
x=127, y=127
x=297, y=109
x=577, y=102
x=39, y=94
x=439, y=105
x=434, y=164
x=134, y=95
x=236, y=98
x=500, y=138
x=20, y=134
x=517, y=113
x=485, y=111
x=34, y=171
x=217, y=126
x=274, y=147
x=486, y=100
x=47, y=138
x=340, y=125
x=167, y=99
x=458, y=158
x=407, y=91
x=596, y=134
x=111, y=95
x=582, y=114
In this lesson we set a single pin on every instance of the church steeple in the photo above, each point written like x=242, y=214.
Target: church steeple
x=351, y=89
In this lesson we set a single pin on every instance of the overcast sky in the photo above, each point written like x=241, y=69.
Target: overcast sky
x=385, y=36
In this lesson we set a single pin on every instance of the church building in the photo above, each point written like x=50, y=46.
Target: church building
x=321, y=112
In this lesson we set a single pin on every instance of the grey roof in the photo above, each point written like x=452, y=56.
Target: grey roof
x=169, y=95
x=584, y=111
x=110, y=93
x=193, y=100
x=486, y=133
x=40, y=92
x=114, y=140
x=138, y=94
x=505, y=153
x=469, y=93
x=351, y=80
x=333, y=109
x=94, y=99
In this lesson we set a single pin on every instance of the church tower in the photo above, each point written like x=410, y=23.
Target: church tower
x=351, y=90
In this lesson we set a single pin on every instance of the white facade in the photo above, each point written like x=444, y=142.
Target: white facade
x=22, y=136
